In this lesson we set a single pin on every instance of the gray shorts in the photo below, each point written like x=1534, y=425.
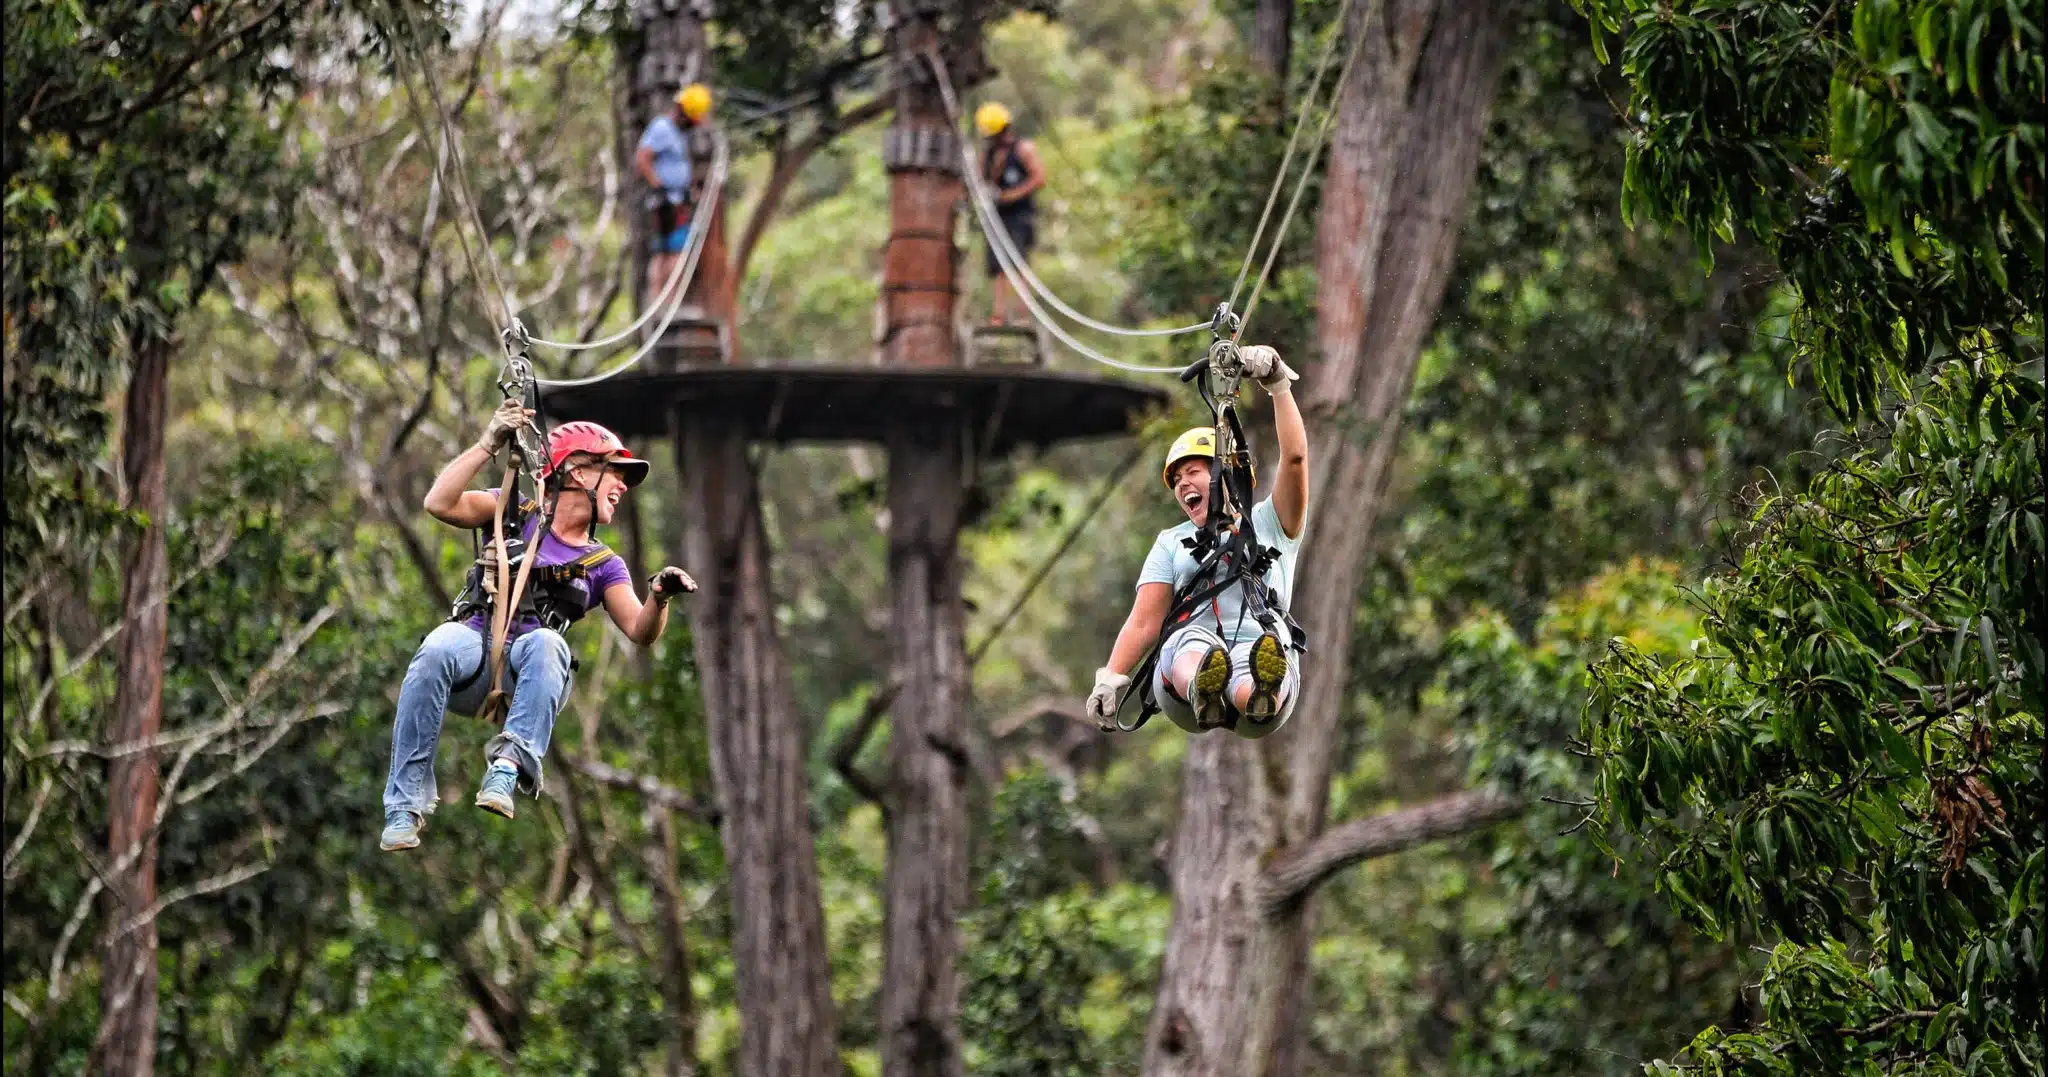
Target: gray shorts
x=1200, y=638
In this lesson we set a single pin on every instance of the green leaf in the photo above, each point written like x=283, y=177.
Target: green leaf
x=1898, y=747
x=1986, y=636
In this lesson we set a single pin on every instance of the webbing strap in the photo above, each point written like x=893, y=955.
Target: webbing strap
x=497, y=702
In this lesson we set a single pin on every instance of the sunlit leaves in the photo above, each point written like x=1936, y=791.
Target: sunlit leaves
x=1839, y=760
x=1890, y=152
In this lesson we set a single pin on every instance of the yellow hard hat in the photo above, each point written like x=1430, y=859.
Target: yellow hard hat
x=696, y=100
x=991, y=119
x=1201, y=441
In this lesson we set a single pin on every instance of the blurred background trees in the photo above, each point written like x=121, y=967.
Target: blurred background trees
x=1712, y=540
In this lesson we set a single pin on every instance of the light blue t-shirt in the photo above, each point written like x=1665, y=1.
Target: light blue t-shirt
x=1172, y=563
x=671, y=154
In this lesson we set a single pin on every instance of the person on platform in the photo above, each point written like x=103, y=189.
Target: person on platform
x=663, y=161
x=1011, y=167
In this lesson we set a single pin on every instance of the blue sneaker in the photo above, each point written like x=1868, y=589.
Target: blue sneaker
x=401, y=830
x=496, y=795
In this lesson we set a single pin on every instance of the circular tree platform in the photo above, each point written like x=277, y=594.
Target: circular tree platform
x=1005, y=407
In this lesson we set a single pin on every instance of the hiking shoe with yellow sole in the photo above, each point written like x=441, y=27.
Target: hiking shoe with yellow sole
x=1269, y=672
x=1206, y=696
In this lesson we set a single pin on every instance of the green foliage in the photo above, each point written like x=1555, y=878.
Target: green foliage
x=1580, y=928
x=1844, y=759
x=142, y=157
x=1888, y=152
x=1033, y=947
x=1841, y=762
x=1587, y=396
x=1200, y=170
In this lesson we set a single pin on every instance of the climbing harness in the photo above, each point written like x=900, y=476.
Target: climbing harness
x=1226, y=548
x=498, y=580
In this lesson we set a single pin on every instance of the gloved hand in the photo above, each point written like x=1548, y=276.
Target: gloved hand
x=670, y=582
x=509, y=417
x=1263, y=365
x=1101, y=704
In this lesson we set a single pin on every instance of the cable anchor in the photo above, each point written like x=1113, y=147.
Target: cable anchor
x=516, y=381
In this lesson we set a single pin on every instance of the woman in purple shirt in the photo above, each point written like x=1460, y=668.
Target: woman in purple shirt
x=592, y=471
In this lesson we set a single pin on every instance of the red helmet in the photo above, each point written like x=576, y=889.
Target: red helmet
x=581, y=437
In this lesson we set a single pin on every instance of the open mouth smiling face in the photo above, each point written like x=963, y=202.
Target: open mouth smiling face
x=1191, y=489
x=611, y=490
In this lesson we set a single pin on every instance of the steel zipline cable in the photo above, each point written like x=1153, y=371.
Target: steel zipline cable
x=679, y=282
x=1027, y=284
x=1030, y=289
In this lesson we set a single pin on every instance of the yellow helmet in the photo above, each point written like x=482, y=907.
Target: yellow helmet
x=991, y=119
x=695, y=100
x=1201, y=441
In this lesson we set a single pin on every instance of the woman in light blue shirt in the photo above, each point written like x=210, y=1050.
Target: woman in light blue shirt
x=1218, y=667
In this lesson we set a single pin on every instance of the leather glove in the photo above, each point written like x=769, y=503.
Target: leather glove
x=1263, y=365
x=509, y=417
x=1101, y=704
x=670, y=582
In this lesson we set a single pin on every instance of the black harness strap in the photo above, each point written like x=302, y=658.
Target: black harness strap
x=1228, y=554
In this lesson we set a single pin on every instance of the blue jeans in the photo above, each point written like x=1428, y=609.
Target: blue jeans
x=536, y=664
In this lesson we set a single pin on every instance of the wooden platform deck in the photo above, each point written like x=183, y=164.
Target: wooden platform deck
x=1006, y=407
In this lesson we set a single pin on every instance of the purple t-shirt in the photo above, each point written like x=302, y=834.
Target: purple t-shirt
x=598, y=579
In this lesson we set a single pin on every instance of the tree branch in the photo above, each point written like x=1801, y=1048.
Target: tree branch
x=657, y=792
x=1298, y=871
x=184, y=893
x=1031, y=711
x=849, y=746
x=786, y=168
x=35, y=815
x=172, y=82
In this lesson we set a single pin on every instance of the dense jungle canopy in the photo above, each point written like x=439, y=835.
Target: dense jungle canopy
x=1675, y=574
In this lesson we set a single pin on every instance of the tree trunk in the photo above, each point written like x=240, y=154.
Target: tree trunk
x=1272, y=37
x=1199, y=1016
x=1410, y=121
x=926, y=878
x=787, y=1022
x=921, y=151
x=788, y=1026
x=126, y=1043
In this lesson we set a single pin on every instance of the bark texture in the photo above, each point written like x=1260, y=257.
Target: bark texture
x=788, y=1026
x=921, y=264
x=925, y=795
x=1272, y=37
x=126, y=1043
x=1404, y=150
x=925, y=883
x=1199, y=1017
